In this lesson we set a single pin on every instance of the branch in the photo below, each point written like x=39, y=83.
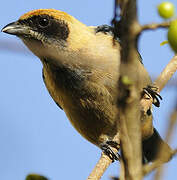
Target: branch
x=153, y=26
x=166, y=74
x=103, y=163
x=100, y=167
x=160, y=82
x=131, y=138
x=128, y=100
x=146, y=103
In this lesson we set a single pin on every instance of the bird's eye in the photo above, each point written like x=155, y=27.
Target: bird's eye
x=43, y=22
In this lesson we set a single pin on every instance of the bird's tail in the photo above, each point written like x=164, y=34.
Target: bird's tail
x=151, y=147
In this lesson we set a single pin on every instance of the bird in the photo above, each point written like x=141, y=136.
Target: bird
x=81, y=71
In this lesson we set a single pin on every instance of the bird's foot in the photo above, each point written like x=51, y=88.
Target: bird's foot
x=107, y=30
x=107, y=149
x=151, y=91
x=104, y=28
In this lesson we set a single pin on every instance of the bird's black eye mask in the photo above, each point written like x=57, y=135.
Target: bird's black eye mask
x=48, y=26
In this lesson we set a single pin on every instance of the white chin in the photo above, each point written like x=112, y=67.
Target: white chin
x=36, y=47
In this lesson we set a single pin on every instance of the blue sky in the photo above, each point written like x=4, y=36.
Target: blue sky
x=35, y=135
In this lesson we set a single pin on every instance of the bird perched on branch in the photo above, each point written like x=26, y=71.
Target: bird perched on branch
x=81, y=73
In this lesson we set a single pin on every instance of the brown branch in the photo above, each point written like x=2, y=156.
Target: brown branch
x=100, y=167
x=131, y=140
x=166, y=74
x=103, y=163
x=122, y=170
x=153, y=26
x=160, y=82
x=170, y=129
x=145, y=102
x=128, y=100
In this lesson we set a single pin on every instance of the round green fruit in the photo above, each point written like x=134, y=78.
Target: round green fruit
x=166, y=10
x=172, y=35
x=35, y=177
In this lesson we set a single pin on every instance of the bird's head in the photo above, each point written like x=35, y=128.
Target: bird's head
x=47, y=32
x=53, y=34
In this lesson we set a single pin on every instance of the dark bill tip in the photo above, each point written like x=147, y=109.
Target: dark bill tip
x=15, y=29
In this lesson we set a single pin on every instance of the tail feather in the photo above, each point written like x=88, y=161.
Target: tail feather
x=152, y=145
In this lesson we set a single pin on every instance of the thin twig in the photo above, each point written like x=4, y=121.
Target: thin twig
x=100, y=167
x=155, y=26
x=160, y=82
x=103, y=163
x=166, y=74
x=122, y=170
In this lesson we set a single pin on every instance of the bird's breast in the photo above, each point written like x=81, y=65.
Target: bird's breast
x=87, y=103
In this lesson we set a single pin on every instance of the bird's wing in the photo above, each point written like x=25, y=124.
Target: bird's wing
x=105, y=29
x=108, y=30
x=49, y=91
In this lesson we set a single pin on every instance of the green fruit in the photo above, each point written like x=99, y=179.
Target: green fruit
x=166, y=10
x=35, y=177
x=172, y=35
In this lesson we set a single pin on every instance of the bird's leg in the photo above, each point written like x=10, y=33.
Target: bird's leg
x=151, y=91
x=107, y=149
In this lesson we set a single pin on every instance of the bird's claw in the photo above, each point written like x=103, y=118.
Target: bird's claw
x=151, y=91
x=104, y=28
x=106, y=148
x=107, y=30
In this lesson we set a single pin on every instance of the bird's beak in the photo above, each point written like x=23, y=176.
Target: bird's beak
x=15, y=28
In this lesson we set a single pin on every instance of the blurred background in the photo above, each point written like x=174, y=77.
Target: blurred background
x=35, y=135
